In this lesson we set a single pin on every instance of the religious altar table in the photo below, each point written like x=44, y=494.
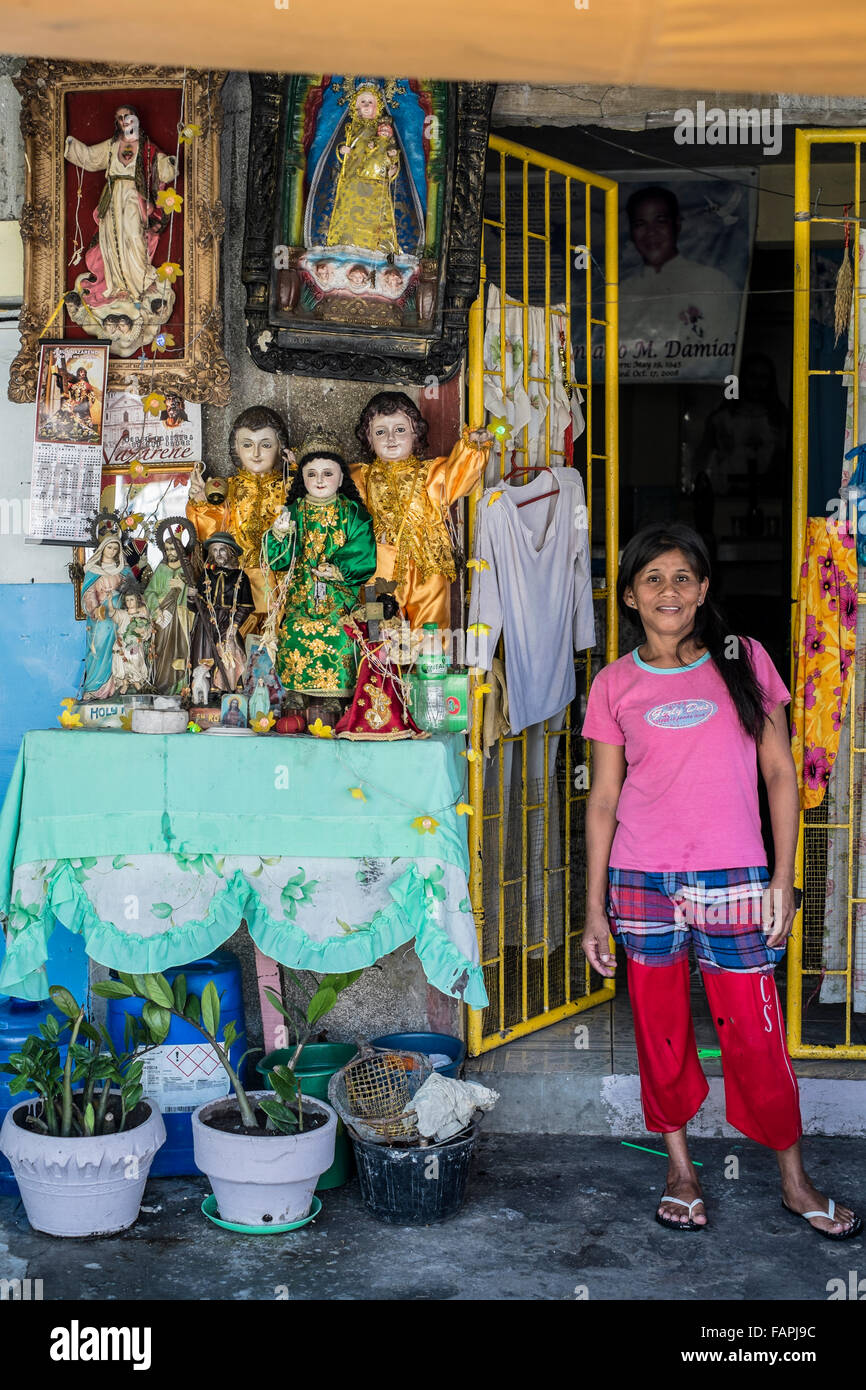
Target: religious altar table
x=157, y=847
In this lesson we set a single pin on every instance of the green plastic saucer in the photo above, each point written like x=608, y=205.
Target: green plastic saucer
x=209, y=1207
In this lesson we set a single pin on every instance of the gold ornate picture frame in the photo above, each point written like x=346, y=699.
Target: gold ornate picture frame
x=186, y=354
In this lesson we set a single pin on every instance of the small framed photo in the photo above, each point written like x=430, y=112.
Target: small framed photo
x=233, y=711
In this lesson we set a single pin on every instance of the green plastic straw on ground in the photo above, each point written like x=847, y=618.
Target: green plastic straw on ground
x=709, y=1052
x=660, y=1153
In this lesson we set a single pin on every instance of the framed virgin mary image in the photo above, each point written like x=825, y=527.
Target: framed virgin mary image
x=122, y=224
x=362, y=240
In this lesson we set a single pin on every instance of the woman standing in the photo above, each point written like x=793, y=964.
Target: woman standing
x=675, y=854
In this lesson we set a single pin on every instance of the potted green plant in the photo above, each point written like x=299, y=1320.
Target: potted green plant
x=262, y=1151
x=81, y=1153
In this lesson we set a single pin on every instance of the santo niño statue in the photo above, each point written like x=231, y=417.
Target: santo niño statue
x=408, y=497
x=255, y=493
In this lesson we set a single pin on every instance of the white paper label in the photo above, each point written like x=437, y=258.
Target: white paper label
x=181, y=1076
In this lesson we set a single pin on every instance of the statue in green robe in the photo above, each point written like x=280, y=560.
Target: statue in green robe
x=324, y=543
x=166, y=599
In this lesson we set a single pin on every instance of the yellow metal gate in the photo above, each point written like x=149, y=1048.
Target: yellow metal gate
x=829, y=857
x=527, y=874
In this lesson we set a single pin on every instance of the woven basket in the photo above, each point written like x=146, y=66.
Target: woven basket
x=370, y=1093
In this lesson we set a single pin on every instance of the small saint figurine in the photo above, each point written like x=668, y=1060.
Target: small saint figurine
x=408, y=497
x=379, y=711
x=166, y=599
x=130, y=660
x=221, y=604
x=324, y=538
x=255, y=495
x=104, y=575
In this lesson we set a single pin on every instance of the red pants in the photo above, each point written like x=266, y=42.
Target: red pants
x=762, y=1099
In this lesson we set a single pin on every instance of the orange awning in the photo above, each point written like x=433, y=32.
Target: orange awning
x=699, y=45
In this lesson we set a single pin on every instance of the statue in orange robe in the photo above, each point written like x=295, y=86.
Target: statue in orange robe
x=255, y=493
x=408, y=498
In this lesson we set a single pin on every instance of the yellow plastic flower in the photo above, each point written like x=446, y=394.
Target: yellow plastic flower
x=478, y=629
x=483, y=689
x=470, y=754
x=126, y=722
x=67, y=703
x=70, y=721
x=188, y=133
x=169, y=270
x=498, y=425
x=153, y=403
x=320, y=730
x=137, y=468
x=477, y=565
x=193, y=728
x=169, y=199
x=464, y=809
x=161, y=342
x=263, y=723
x=494, y=497
x=425, y=825
x=357, y=793
x=134, y=519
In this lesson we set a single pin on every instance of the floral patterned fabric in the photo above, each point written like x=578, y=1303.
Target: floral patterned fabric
x=144, y=913
x=824, y=652
x=333, y=854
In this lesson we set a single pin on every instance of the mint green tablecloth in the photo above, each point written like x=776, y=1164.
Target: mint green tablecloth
x=155, y=848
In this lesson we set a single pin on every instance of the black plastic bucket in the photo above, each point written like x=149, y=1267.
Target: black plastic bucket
x=415, y=1186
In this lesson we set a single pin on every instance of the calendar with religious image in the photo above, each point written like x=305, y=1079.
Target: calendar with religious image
x=67, y=445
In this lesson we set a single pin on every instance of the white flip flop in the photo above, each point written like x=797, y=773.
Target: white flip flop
x=830, y=1215
x=689, y=1225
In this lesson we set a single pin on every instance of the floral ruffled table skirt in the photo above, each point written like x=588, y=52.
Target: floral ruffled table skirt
x=157, y=848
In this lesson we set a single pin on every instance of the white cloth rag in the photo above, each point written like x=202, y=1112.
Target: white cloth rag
x=444, y=1106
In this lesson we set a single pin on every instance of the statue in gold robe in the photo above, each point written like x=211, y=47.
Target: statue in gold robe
x=255, y=494
x=408, y=498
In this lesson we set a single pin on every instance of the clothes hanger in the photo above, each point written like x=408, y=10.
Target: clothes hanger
x=532, y=468
x=541, y=496
x=523, y=468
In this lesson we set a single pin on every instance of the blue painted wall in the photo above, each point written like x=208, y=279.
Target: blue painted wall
x=42, y=649
x=42, y=655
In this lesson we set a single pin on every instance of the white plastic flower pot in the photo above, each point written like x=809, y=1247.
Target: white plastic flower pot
x=262, y=1180
x=89, y=1186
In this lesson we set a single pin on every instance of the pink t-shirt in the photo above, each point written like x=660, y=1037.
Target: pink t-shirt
x=690, y=796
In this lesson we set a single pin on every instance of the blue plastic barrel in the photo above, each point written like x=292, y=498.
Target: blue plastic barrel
x=184, y=1073
x=18, y=1019
x=443, y=1043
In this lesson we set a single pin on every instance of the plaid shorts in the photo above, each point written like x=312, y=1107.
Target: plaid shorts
x=655, y=916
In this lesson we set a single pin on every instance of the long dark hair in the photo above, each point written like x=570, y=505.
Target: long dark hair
x=710, y=629
x=347, y=488
x=389, y=403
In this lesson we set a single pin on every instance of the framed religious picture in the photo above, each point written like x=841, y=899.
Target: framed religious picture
x=363, y=226
x=67, y=441
x=122, y=224
x=233, y=711
x=133, y=502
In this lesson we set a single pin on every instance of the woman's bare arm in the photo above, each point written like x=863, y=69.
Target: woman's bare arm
x=608, y=775
x=780, y=778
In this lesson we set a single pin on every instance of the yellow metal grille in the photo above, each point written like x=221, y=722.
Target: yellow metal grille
x=830, y=836
x=527, y=875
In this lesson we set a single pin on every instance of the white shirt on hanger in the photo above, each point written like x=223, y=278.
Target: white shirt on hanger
x=535, y=588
